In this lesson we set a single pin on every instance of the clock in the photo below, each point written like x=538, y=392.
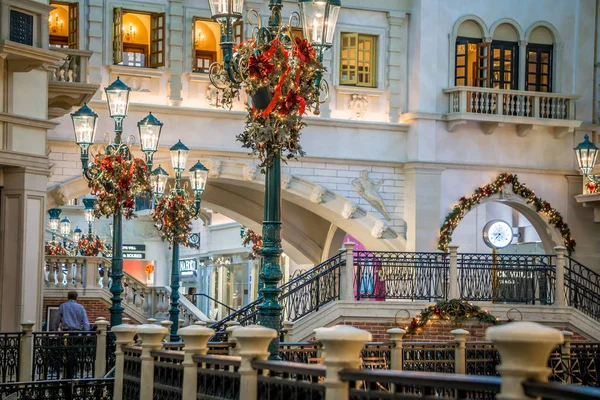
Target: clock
x=497, y=234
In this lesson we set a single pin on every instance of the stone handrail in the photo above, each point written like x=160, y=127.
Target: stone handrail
x=74, y=68
x=516, y=103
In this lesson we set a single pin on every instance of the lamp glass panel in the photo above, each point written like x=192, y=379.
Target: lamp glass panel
x=198, y=180
x=65, y=226
x=334, y=12
x=586, y=158
x=53, y=223
x=226, y=7
x=118, y=103
x=179, y=159
x=76, y=235
x=313, y=15
x=149, y=136
x=89, y=216
x=85, y=129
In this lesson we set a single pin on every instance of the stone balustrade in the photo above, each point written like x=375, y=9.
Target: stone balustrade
x=75, y=67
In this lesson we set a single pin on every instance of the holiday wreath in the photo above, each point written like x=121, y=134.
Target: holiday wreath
x=90, y=246
x=173, y=219
x=281, y=91
x=55, y=248
x=251, y=237
x=465, y=204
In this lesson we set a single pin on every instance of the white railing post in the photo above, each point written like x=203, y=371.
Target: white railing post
x=100, y=367
x=151, y=336
x=524, y=349
x=463, y=100
x=559, y=281
x=536, y=106
x=347, y=273
x=195, y=338
x=288, y=327
x=254, y=341
x=231, y=327
x=342, y=345
x=124, y=335
x=396, y=357
x=565, y=355
x=453, y=273
x=460, y=352
x=26, y=352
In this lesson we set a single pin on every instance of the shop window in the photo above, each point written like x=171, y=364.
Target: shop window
x=358, y=55
x=539, y=67
x=206, y=41
x=138, y=38
x=63, y=25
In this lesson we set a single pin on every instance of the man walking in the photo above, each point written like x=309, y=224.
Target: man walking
x=71, y=316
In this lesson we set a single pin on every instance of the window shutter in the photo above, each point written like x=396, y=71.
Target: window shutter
x=117, y=35
x=349, y=59
x=366, y=61
x=238, y=32
x=483, y=65
x=157, y=40
x=73, y=25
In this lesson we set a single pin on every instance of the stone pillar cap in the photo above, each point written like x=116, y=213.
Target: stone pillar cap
x=195, y=330
x=567, y=333
x=124, y=328
x=459, y=332
x=396, y=330
x=342, y=332
x=200, y=323
x=254, y=331
x=27, y=325
x=523, y=332
x=148, y=329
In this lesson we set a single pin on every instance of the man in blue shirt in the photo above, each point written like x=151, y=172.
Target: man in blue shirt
x=71, y=316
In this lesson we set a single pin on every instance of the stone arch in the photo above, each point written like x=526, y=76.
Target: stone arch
x=471, y=17
x=553, y=31
x=236, y=189
x=509, y=21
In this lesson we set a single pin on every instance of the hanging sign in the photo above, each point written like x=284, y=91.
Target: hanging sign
x=134, y=251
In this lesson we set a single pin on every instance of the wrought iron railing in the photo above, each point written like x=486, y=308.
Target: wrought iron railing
x=280, y=380
x=300, y=352
x=510, y=278
x=481, y=359
x=168, y=374
x=584, y=364
x=10, y=344
x=397, y=275
x=218, y=377
x=132, y=370
x=80, y=389
x=582, y=288
x=63, y=355
x=377, y=355
x=111, y=346
x=429, y=357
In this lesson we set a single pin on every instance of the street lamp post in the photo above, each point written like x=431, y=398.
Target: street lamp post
x=84, y=126
x=318, y=18
x=587, y=153
x=54, y=221
x=175, y=211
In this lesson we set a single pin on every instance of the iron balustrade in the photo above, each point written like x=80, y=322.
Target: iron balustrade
x=282, y=380
x=63, y=355
x=218, y=377
x=80, y=389
x=429, y=357
x=481, y=359
x=559, y=391
x=300, y=352
x=132, y=370
x=506, y=278
x=582, y=288
x=376, y=355
x=10, y=345
x=168, y=374
x=584, y=364
x=400, y=275
x=382, y=384
x=111, y=347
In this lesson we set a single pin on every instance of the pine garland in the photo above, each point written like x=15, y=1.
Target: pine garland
x=251, y=237
x=90, y=246
x=174, y=221
x=465, y=204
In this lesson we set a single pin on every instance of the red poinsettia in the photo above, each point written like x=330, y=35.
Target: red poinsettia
x=260, y=67
x=303, y=50
x=291, y=100
x=591, y=187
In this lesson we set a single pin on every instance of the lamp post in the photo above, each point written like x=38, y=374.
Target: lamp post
x=88, y=213
x=54, y=221
x=65, y=229
x=587, y=153
x=175, y=211
x=318, y=18
x=84, y=126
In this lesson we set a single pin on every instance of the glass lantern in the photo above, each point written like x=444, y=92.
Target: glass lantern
x=89, y=210
x=77, y=235
x=586, y=153
x=319, y=18
x=149, y=129
x=179, y=155
x=158, y=181
x=65, y=226
x=84, y=126
x=54, y=219
x=231, y=9
x=198, y=177
x=117, y=95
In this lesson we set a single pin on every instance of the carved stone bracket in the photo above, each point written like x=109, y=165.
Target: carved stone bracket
x=286, y=181
x=250, y=172
x=378, y=230
x=318, y=194
x=349, y=210
x=215, y=169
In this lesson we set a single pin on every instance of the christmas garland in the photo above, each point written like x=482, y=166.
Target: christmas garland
x=455, y=311
x=116, y=180
x=90, y=246
x=55, y=248
x=251, y=237
x=465, y=204
x=281, y=74
x=592, y=187
x=172, y=218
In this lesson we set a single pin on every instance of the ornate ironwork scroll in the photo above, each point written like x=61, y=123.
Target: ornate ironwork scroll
x=10, y=343
x=282, y=381
x=428, y=357
x=218, y=377
x=64, y=355
x=132, y=370
x=168, y=375
x=582, y=286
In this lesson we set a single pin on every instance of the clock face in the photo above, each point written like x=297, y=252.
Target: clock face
x=497, y=234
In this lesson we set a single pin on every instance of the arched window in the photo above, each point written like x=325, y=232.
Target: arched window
x=539, y=60
x=472, y=56
x=505, y=58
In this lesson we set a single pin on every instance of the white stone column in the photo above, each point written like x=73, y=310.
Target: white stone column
x=347, y=274
x=26, y=352
x=522, y=64
x=342, y=345
x=396, y=336
x=288, y=327
x=100, y=367
x=22, y=246
x=460, y=353
x=398, y=63
x=524, y=349
x=95, y=41
x=124, y=337
x=559, y=285
x=254, y=341
x=151, y=336
x=453, y=273
x=195, y=338
x=176, y=41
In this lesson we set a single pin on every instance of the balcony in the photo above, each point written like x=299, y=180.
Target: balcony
x=493, y=108
x=68, y=86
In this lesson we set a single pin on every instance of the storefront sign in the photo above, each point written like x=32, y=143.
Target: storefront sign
x=134, y=256
x=188, y=267
x=134, y=247
x=134, y=251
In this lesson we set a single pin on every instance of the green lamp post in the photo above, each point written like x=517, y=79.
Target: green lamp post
x=190, y=210
x=54, y=221
x=84, y=126
x=587, y=153
x=318, y=18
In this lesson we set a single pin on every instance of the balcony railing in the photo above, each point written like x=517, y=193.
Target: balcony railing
x=523, y=108
x=75, y=67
